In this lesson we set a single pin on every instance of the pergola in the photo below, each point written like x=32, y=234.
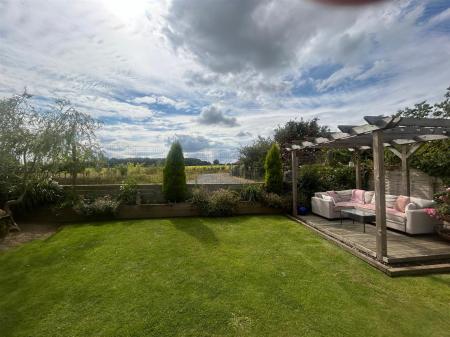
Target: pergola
x=402, y=136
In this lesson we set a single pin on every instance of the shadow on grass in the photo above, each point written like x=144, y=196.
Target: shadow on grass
x=197, y=229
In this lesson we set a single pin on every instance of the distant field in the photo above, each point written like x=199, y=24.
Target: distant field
x=140, y=173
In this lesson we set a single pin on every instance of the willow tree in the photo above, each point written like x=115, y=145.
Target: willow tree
x=28, y=148
x=78, y=141
x=34, y=143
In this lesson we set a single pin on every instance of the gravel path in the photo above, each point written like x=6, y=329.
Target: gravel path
x=219, y=178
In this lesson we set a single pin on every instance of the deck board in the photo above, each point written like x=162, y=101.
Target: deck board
x=400, y=247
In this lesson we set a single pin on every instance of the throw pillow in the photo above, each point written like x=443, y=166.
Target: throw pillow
x=357, y=196
x=345, y=195
x=368, y=196
x=327, y=198
x=390, y=200
x=401, y=202
x=334, y=195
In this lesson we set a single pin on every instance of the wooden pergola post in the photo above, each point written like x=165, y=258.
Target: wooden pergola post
x=294, y=182
x=406, y=186
x=380, y=190
x=358, y=181
x=405, y=152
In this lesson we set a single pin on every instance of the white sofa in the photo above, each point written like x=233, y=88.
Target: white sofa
x=413, y=220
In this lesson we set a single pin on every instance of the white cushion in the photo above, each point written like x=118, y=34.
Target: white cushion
x=422, y=203
x=344, y=195
x=368, y=196
x=390, y=200
x=327, y=198
x=410, y=206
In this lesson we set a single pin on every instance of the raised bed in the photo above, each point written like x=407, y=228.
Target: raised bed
x=146, y=211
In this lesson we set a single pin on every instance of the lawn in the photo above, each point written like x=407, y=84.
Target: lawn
x=241, y=276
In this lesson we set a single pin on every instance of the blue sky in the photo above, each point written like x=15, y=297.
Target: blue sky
x=215, y=74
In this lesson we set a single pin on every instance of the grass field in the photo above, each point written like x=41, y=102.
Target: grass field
x=240, y=276
x=140, y=173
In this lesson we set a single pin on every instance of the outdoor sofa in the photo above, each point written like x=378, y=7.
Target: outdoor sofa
x=406, y=214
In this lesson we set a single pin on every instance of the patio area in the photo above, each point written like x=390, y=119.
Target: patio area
x=406, y=254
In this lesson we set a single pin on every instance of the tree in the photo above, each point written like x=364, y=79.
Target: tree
x=77, y=137
x=34, y=144
x=174, y=175
x=294, y=131
x=216, y=162
x=432, y=158
x=273, y=170
x=252, y=156
x=28, y=149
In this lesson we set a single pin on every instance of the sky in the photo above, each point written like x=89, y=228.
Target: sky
x=216, y=74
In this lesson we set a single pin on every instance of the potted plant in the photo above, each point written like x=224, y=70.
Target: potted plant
x=442, y=212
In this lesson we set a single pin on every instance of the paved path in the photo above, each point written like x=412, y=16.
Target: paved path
x=219, y=178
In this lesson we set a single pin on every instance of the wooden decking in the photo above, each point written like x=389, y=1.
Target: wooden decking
x=406, y=254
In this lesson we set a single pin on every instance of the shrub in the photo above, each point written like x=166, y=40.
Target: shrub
x=4, y=228
x=218, y=203
x=200, y=199
x=223, y=203
x=101, y=206
x=251, y=193
x=273, y=170
x=315, y=178
x=174, y=175
x=128, y=192
x=42, y=193
x=272, y=200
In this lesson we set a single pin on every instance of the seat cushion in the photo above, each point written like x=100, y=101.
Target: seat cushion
x=366, y=207
x=344, y=204
x=394, y=215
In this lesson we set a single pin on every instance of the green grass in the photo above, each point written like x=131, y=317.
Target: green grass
x=242, y=276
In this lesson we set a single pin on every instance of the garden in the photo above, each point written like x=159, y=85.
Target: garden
x=217, y=261
x=236, y=276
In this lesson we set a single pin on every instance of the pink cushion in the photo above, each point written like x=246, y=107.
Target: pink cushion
x=401, y=202
x=367, y=207
x=358, y=196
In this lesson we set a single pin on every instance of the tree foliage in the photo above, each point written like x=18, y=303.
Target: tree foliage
x=426, y=110
x=174, y=175
x=273, y=170
x=432, y=158
x=294, y=131
x=34, y=144
x=253, y=155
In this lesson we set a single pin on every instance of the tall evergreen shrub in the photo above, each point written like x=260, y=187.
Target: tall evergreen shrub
x=174, y=175
x=273, y=170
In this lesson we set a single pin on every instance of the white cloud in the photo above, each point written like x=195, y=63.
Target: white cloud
x=212, y=115
x=344, y=74
x=251, y=62
x=163, y=100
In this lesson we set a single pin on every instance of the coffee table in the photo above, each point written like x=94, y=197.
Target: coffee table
x=358, y=215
